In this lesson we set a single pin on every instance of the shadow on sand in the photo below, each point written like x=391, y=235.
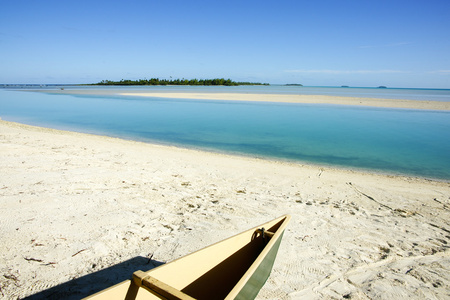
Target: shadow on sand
x=95, y=282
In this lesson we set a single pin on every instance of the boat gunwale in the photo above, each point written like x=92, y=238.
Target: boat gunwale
x=251, y=270
x=284, y=219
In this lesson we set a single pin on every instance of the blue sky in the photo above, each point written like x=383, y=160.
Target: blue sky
x=394, y=43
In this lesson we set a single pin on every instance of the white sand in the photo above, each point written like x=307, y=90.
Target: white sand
x=308, y=99
x=72, y=204
x=281, y=98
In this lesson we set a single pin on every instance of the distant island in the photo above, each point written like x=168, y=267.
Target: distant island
x=293, y=84
x=157, y=81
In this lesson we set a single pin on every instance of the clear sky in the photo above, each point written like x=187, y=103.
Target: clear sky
x=396, y=43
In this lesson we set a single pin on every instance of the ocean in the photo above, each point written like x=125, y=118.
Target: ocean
x=394, y=141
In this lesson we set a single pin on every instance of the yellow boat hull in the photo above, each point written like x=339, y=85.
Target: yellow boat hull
x=235, y=268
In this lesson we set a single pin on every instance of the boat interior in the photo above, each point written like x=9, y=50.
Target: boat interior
x=214, y=272
x=217, y=282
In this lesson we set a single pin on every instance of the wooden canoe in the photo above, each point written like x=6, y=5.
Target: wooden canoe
x=235, y=268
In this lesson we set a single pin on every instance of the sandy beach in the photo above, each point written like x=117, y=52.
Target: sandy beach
x=81, y=212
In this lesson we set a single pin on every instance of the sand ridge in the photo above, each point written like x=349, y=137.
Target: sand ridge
x=75, y=204
x=305, y=99
x=275, y=98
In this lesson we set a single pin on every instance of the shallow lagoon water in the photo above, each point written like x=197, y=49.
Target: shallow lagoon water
x=399, y=141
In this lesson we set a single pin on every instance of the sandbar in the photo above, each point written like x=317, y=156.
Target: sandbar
x=81, y=212
x=305, y=99
x=276, y=98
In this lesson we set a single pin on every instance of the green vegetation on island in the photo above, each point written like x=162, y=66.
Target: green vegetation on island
x=157, y=81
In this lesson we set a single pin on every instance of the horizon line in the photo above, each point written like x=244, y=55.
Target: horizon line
x=279, y=84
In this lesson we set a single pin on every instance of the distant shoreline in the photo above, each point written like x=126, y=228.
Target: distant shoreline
x=49, y=85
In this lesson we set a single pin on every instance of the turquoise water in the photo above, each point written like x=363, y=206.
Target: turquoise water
x=398, y=141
